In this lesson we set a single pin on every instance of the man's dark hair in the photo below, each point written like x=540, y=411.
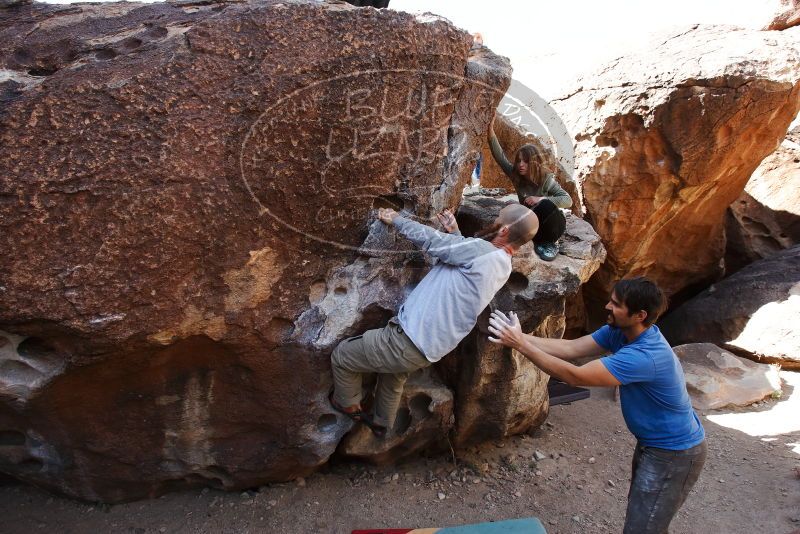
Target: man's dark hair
x=639, y=294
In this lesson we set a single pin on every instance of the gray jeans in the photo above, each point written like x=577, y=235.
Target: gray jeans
x=660, y=481
x=387, y=351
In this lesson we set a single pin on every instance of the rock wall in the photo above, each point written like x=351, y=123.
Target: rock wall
x=666, y=140
x=498, y=393
x=187, y=197
x=765, y=219
x=184, y=191
x=484, y=391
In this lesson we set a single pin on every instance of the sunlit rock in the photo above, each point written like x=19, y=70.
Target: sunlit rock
x=716, y=378
x=753, y=313
x=666, y=140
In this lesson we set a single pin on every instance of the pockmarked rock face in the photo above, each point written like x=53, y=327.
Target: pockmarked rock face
x=753, y=313
x=424, y=420
x=765, y=219
x=715, y=378
x=666, y=140
x=186, y=196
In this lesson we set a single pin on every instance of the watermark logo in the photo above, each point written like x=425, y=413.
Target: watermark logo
x=523, y=107
x=304, y=159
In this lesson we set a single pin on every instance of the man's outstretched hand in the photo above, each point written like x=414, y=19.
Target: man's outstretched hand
x=448, y=221
x=387, y=215
x=506, y=329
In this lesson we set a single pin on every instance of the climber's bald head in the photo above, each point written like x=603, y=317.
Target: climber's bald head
x=514, y=226
x=522, y=224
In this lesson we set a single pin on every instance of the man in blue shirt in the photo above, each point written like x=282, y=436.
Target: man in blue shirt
x=671, y=449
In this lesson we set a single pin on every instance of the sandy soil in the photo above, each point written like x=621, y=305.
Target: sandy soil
x=578, y=485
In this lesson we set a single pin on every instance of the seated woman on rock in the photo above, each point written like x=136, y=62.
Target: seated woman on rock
x=538, y=190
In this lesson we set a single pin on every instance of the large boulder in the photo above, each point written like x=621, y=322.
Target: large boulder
x=666, y=140
x=186, y=196
x=715, y=378
x=765, y=218
x=753, y=313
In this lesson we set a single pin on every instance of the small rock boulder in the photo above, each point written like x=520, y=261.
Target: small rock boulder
x=717, y=378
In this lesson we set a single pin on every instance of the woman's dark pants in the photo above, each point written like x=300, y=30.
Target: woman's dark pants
x=552, y=222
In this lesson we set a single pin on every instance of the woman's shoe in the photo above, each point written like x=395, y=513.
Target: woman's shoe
x=546, y=251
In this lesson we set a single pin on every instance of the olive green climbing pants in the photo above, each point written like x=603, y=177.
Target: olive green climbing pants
x=386, y=351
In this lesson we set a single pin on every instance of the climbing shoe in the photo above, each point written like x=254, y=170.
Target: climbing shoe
x=546, y=251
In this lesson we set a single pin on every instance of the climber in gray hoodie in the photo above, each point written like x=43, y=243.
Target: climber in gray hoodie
x=436, y=316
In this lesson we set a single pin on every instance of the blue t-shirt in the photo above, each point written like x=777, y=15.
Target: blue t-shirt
x=655, y=403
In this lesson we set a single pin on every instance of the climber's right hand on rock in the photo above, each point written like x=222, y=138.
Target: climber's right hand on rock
x=387, y=215
x=448, y=221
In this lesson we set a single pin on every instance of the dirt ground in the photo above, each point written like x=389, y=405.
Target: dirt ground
x=578, y=484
